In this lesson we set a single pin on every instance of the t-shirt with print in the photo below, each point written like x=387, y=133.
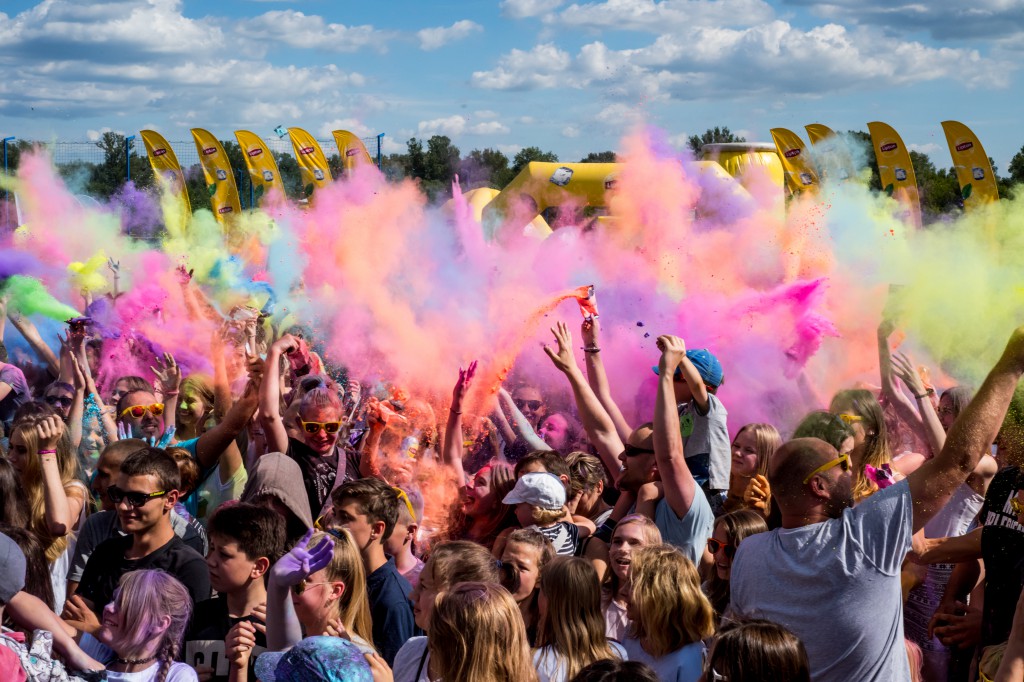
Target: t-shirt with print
x=204, y=642
x=836, y=586
x=564, y=537
x=708, y=434
x=108, y=563
x=19, y=394
x=318, y=472
x=690, y=533
x=1002, y=548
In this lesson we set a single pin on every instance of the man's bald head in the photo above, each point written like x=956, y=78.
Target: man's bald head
x=793, y=462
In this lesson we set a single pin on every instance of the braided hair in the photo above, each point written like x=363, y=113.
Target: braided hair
x=145, y=599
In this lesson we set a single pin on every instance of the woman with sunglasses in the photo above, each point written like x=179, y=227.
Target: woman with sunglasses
x=730, y=530
x=40, y=451
x=320, y=586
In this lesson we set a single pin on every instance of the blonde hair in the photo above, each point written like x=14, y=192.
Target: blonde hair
x=766, y=441
x=671, y=610
x=353, y=608
x=144, y=598
x=651, y=535
x=546, y=517
x=877, y=450
x=477, y=635
x=67, y=464
x=573, y=625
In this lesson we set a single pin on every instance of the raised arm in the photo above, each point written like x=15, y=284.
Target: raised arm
x=60, y=510
x=692, y=378
x=600, y=427
x=77, y=411
x=31, y=334
x=519, y=422
x=283, y=629
x=597, y=378
x=678, y=482
x=270, y=395
x=213, y=443
x=971, y=434
x=168, y=381
x=369, y=465
x=451, y=453
x=904, y=408
x=931, y=427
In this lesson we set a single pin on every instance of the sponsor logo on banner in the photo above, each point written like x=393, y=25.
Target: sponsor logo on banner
x=159, y=152
x=225, y=209
x=351, y=152
x=561, y=176
x=222, y=174
x=268, y=176
x=979, y=173
x=306, y=150
x=790, y=153
x=888, y=147
x=806, y=179
x=209, y=150
x=318, y=174
x=255, y=152
x=901, y=174
x=964, y=146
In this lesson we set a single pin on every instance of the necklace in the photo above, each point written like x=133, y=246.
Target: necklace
x=135, y=661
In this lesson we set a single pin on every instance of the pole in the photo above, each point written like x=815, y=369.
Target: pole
x=128, y=157
x=380, y=137
x=7, y=194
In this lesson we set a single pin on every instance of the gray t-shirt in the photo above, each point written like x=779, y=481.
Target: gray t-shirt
x=836, y=585
x=690, y=533
x=708, y=434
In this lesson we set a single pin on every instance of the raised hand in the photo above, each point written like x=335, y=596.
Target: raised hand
x=49, y=431
x=168, y=374
x=903, y=367
x=184, y=276
x=564, y=360
x=673, y=350
x=77, y=374
x=301, y=562
x=590, y=332
x=462, y=386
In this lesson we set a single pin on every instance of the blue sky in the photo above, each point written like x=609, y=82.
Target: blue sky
x=564, y=76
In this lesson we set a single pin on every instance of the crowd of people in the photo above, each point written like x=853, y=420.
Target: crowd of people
x=281, y=520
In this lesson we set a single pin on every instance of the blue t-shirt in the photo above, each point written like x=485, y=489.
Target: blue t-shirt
x=390, y=609
x=690, y=533
x=682, y=665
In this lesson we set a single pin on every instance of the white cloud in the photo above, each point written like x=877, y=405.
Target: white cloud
x=509, y=150
x=570, y=131
x=357, y=128
x=310, y=31
x=520, y=9
x=450, y=126
x=618, y=116
x=489, y=128
x=485, y=114
x=542, y=67
x=433, y=38
x=927, y=148
x=392, y=146
x=527, y=120
x=664, y=16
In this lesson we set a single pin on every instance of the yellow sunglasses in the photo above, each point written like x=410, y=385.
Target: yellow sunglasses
x=842, y=460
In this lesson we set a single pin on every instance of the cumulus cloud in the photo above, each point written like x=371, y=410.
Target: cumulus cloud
x=664, y=16
x=544, y=66
x=357, y=128
x=520, y=9
x=570, y=131
x=450, y=126
x=310, y=31
x=433, y=38
x=489, y=128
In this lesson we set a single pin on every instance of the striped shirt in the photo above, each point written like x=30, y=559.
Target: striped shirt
x=564, y=537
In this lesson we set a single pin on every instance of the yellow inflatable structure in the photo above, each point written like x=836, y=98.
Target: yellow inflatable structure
x=739, y=158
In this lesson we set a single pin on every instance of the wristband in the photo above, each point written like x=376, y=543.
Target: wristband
x=454, y=411
x=930, y=391
x=167, y=393
x=47, y=452
x=591, y=349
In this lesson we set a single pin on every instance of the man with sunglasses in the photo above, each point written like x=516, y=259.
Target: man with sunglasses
x=145, y=494
x=831, y=573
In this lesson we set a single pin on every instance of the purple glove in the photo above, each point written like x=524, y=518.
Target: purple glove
x=301, y=562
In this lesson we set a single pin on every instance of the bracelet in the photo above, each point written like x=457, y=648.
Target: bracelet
x=591, y=349
x=47, y=452
x=454, y=411
x=170, y=393
x=930, y=391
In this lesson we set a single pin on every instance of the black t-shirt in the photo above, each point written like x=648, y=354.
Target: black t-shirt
x=204, y=642
x=107, y=564
x=1002, y=548
x=390, y=610
x=318, y=472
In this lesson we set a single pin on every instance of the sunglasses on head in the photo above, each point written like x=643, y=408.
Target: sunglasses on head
x=131, y=498
x=634, y=451
x=62, y=400
x=850, y=418
x=715, y=545
x=314, y=427
x=139, y=411
x=532, y=404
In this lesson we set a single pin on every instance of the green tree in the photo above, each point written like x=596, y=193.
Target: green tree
x=710, y=136
x=415, y=162
x=599, y=157
x=107, y=177
x=1016, y=167
x=525, y=156
x=861, y=141
x=434, y=166
x=485, y=167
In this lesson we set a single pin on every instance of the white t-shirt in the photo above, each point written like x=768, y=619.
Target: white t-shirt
x=179, y=672
x=836, y=586
x=412, y=658
x=551, y=667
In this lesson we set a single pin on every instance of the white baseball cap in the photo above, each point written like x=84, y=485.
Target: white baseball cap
x=540, y=489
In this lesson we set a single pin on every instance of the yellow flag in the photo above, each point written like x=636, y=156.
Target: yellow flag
x=312, y=162
x=352, y=150
x=220, y=180
x=800, y=173
x=896, y=169
x=818, y=132
x=973, y=169
x=165, y=165
x=261, y=164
